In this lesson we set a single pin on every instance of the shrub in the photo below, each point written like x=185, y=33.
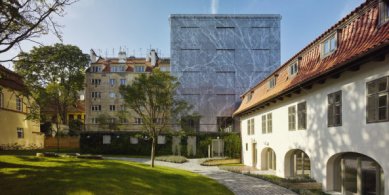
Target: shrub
x=233, y=146
x=172, y=159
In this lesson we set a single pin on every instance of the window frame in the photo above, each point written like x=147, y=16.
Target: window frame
x=141, y=67
x=332, y=104
x=383, y=12
x=19, y=104
x=294, y=115
x=264, y=123
x=376, y=94
x=272, y=82
x=293, y=66
x=302, y=115
x=20, y=132
x=332, y=36
x=112, y=108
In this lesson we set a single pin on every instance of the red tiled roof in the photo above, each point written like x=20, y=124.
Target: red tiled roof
x=130, y=62
x=11, y=79
x=358, y=35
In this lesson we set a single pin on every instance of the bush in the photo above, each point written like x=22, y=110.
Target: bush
x=172, y=159
x=233, y=146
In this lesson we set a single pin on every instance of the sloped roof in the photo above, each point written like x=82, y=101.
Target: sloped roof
x=358, y=35
x=11, y=79
x=130, y=62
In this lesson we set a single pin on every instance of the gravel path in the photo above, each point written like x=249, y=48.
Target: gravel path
x=237, y=183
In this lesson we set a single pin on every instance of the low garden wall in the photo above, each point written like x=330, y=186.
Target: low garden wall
x=137, y=143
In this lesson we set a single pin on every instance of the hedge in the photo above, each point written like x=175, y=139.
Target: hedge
x=92, y=142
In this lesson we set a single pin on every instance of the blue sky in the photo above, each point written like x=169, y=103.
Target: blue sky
x=136, y=24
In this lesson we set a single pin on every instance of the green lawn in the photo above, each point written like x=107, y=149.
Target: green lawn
x=33, y=175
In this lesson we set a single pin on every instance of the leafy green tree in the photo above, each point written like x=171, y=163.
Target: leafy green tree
x=53, y=75
x=107, y=122
x=75, y=127
x=152, y=98
x=24, y=20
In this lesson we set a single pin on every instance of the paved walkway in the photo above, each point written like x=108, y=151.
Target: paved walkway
x=237, y=183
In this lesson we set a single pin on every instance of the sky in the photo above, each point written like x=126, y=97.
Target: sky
x=136, y=25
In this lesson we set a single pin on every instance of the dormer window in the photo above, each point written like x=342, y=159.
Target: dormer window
x=250, y=96
x=117, y=69
x=96, y=69
x=293, y=68
x=329, y=45
x=383, y=11
x=272, y=82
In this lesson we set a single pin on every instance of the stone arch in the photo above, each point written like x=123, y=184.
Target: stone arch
x=268, y=159
x=297, y=164
x=351, y=172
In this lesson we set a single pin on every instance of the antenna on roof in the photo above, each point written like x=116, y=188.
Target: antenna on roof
x=140, y=52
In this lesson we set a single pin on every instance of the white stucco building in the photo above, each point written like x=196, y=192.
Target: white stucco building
x=325, y=112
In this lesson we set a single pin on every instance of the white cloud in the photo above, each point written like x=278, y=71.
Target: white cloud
x=214, y=6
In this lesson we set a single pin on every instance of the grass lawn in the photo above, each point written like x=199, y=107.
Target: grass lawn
x=34, y=175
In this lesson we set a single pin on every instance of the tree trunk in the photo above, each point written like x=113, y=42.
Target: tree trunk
x=153, y=144
x=57, y=135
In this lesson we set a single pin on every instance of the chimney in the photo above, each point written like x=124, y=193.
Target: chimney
x=153, y=57
x=92, y=56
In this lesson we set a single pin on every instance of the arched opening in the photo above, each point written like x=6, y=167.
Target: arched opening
x=297, y=164
x=268, y=159
x=354, y=173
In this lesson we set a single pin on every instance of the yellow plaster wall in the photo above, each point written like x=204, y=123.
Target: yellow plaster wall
x=11, y=119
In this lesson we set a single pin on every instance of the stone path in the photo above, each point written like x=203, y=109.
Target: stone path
x=237, y=183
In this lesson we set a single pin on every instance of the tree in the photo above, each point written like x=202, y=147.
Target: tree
x=27, y=19
x=53, y=75
x=152, y=98
x=107, y=122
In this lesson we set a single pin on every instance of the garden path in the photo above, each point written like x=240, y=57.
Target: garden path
x=237, y=183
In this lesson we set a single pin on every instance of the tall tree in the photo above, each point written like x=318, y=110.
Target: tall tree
x=54, y=75
x=152, y=98
x=28, y=19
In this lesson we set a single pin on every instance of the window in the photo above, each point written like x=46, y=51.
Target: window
x=334, y=109
x=96, y=94
x=263, y=124
x=117, y=69
x=377, y=100
x=112, y=94
x=138, y=121
x=293, y=69
x=269, y=123
x=292, y=118
x=123, y=121
x=79, y=117
x=247, y=146
x=329, y=45
x=96, y=69
x=112, y=108
x=302, y=115
x=94, y=121
x=1, y=100
x=383, y=11
x=96, y=107
x=20, y=133
x=250, y=127
x=165, y=68
x=225, y=124
x=272, y=82
x=250, y=96
x=123, y=81
x=112, y=82
x=96, y=81
x=112, y=120
x=191, y=123
x=19, y=104
x=122, y=107
x=139, y=68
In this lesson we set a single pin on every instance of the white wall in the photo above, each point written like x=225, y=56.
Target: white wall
x=318, y=141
